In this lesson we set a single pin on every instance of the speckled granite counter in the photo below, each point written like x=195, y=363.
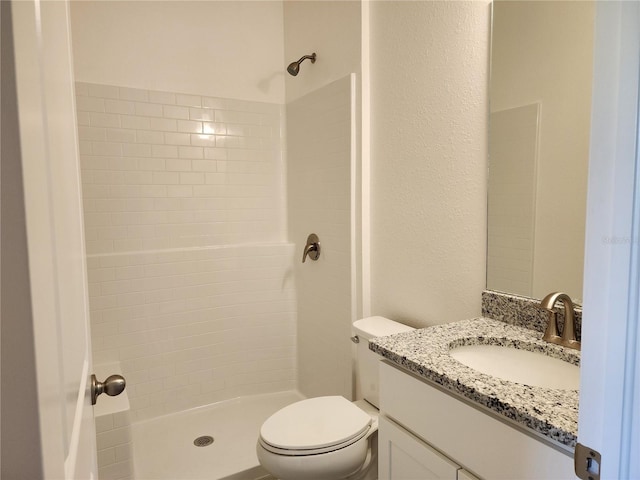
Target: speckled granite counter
x=425, y=352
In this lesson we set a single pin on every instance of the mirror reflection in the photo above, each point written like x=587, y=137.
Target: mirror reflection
x=540, y=96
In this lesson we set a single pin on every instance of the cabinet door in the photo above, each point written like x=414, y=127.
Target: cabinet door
x=464, y=475
x=403, y=456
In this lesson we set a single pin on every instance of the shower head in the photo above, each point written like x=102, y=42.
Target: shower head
x=294, y=67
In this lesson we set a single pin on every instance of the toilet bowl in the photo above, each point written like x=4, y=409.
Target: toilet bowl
x=316, y=439
x=330, y=438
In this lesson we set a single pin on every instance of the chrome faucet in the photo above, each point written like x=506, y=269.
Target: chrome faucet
x=568, y=338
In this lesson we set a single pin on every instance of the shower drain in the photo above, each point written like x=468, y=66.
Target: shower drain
x=203, y=441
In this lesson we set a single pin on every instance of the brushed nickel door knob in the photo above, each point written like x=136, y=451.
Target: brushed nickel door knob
x=112, y=386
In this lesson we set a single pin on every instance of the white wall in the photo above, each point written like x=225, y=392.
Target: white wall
x=20, y=433
x=321, y=184
x=511, y=198
x=335, y=30
x=543, y=53
x=215, y=48
x=332, y=29
x=319, y=194
x=429, y=82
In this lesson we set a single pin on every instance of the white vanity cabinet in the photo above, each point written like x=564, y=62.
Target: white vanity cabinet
x=425, y=433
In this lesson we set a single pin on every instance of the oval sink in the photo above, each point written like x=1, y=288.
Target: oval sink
x=520, y=366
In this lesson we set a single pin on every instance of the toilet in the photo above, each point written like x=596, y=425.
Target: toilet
x=331, y=438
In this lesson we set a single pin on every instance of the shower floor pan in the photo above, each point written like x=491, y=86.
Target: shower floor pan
x=164, y=449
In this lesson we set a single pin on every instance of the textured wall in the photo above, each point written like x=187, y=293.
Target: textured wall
x=319, y=175
x=429, y=81
x=215, y=48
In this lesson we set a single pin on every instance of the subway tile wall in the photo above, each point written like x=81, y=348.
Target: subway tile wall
x=195, y=326
x=114, y=445
x=167, y=170
x=190, y=278
x=114, y=440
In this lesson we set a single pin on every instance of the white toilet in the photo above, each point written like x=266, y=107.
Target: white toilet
x=331, y=438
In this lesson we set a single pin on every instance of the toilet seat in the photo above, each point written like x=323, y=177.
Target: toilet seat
x=314, y=426
x=315, y=451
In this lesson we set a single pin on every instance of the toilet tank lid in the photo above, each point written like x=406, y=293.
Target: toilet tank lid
x=378, y=327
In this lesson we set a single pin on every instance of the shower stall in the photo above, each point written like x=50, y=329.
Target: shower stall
x=202, y=176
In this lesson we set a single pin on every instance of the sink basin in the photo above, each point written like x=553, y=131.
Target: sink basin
x=520, y=366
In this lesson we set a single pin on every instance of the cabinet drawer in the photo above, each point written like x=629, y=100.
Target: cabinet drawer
x=476, y=440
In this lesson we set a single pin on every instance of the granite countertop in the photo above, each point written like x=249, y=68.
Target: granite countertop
x=552, y=413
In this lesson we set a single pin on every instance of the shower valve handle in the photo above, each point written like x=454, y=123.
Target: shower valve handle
x=312, y=248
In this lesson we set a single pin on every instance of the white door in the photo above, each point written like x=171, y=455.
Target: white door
x=53, y=209
x=610, y=368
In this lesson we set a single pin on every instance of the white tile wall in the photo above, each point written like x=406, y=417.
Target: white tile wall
x=319, y=161
x=190, y=281
x=194, y=326
x=114, y=445
x=165, y=170
x=113, y=430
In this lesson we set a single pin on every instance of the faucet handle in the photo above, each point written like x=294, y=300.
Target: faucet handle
x=551, y=333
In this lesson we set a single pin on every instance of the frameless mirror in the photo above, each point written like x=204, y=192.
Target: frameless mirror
x=540, y=97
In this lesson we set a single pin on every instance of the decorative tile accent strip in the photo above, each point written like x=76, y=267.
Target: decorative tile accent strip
x=523, y=311
x=425, y=352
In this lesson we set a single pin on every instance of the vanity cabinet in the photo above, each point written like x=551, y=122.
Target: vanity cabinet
x=426, y=433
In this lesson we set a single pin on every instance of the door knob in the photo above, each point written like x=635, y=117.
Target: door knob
x=312, y=248
x=112, y=386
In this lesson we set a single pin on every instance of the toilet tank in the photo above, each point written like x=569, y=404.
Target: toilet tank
x=366, y=360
